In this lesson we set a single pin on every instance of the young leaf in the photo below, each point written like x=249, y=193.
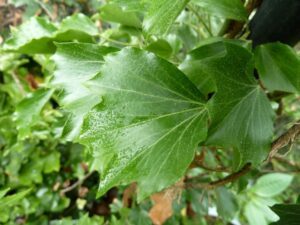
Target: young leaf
x=38, y=34
x=230, y=9
x=272, y=184
x=32, y=36
x=289, y=214
x=29, y=109
x=162, y=14
x=240, y=112
x=149, y=123
x=3, y=192
x=279, y=67
x=11, y=200
x=76, y=63
x=113, y=13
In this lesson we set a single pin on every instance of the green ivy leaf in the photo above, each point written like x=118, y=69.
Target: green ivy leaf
x=161, y=48
x=272, y=184
x=12, y=200
x=241, y=114
x=227, y=205
x=149, y=123
x=114, y=13
x=230, y=9
x=33, y=36
x=258, y=213
x=162, y=14
x=289, y=214
x=3, y=192
x=193, y=65
x=29, y=109
x=76, y=63
x=279, y=67
x=131, y=5
x=38, y=34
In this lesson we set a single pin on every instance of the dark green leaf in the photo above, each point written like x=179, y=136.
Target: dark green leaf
x=227, y=205
x=289, y=214
x=148, y=125
x=240, y=112
x=279, y=67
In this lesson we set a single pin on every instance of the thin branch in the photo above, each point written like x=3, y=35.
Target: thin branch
x=76, y=184
x=226, y=180
x=285, y=139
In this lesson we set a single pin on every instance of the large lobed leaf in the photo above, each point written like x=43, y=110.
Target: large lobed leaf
x=241, y=115
x=149, y=123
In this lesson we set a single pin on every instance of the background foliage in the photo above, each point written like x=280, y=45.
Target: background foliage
x=145, y=112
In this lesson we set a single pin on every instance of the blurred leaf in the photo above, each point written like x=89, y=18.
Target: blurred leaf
x=161, y=48
x=230, y=9
x=162, y=14
x=162, y=208
x=272, y=184
x=29, y=109
x=12, y=200
x=114, y=13
x=33, y=36
x=3, y=192
x=289, y=214
x=38, y=34
x=227, y=204
x=279, y=67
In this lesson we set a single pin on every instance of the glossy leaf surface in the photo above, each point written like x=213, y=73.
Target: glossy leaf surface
x=149, y=123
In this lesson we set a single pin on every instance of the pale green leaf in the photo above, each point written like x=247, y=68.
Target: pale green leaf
x=230, y=9
x=161, y=15
x=76, y=63
x=11, y=200
x=131, y=5
x=38, y=34
x=114, y=13
x=272, y=184
x=29, y=109
x=3, y=192
x=241, y=115
x=149, y=123
x=279, y=67
x=33, y=36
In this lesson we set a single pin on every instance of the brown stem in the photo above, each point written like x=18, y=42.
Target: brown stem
x=226, y=180
x=76, y=184
x=285, y=139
